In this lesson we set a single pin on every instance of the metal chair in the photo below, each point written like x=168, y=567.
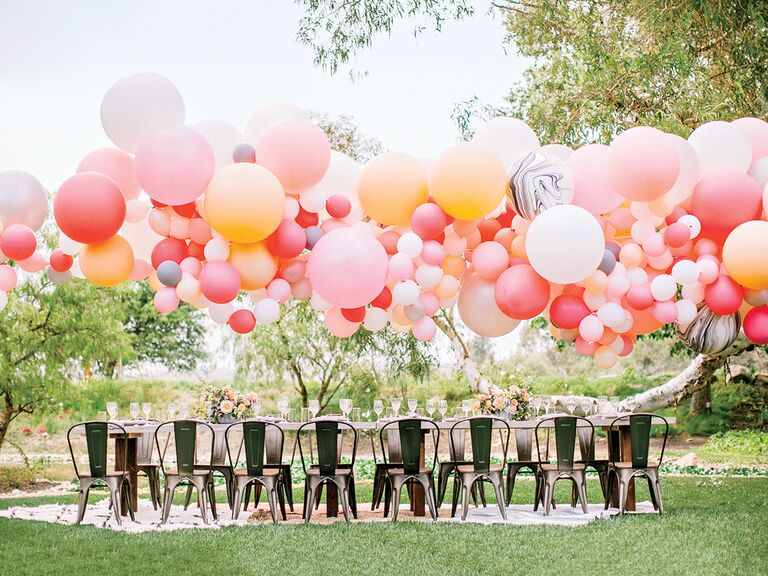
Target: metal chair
x=145, y=465
x=481, y=428
x=564, y=467
x=599, y=465
x=449, y=468
x=274, y=459
x=254, y=440
x=524, y=449
x=188, y=468
x=640, y=440
x=118, y=481
x=328, y=469
x=410, y=468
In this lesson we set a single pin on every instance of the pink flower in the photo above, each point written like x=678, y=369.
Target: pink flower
x=226, y=407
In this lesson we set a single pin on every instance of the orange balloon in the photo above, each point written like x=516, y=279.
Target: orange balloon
x=244, y=202
x=454, y=265
x=391, y=187
x=745, y=254
x=255, y=263
x=109, y=263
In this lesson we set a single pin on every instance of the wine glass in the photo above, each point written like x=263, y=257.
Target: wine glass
x=346, y=406
x=412, y=403
x=537, y=404
x=112, y=410
x=602, y=405
x=430, y=406
x=570, y=404
x=546, y=402
x=314, y=408
x=133, y=410
x=395, y=403
x=442, y=407
x=466, y=406
x=586, y=406
x=171, y=410
x=256, y=405
x=378, y=407
x=146, y=408
x=615, y=400
x=283, y=405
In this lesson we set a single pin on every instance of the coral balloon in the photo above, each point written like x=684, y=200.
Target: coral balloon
x=338, y=325
x=521, y=293
x=116, y=164
x=8, y=278
x=108, y=263
x=288, y=241
x=61, y=262
x=244, y=203
x=745, y=254
x=89, y=208
x=242, y=321
x=220, y=282
x=725, y=198
x=468, y=181
x=338, y=206
x=428, y=221
x=490, y=259
x=567, y=311
x=424, y=329
x=479, y=311
x=391, y=187
x=756, y=324
x=169, y=249
x=255, y=263
x=723, y=296
x=18, y=242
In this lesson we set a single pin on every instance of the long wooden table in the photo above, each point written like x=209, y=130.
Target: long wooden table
x=522, y=429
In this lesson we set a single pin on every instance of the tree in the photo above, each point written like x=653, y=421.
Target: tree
x=300, y=348
x=48, y=336
x=344, y=136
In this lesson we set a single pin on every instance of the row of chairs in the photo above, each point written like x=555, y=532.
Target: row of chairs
x=254, y=461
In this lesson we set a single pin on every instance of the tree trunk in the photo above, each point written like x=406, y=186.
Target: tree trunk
x=477, y=382
x=701, y=400
x=5, y=418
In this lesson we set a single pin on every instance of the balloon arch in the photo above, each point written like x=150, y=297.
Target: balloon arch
x=608, y=242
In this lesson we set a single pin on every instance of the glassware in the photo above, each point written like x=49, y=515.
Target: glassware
x=184, y=410
x=256, y=405
x=466, y=407
x=430, y=406
x=112, y=410
x=305, y=414
x=570, y=404
x=586, y=406
x=602, y=405
x=537, y=404
x=546, y=402
x=412, y=404
x=171, y=410
x=442, y=407
x=615, y=400
x=345, y=404
x=146, y=408
x=283, y=405
x=395, y=403
x=378, y=407
x=355, y=414
x=314, y=408
x=133, y=410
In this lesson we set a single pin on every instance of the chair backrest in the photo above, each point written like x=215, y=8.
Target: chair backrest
x=409, y=432
x=96, y=434
x=255, y=439
x=480, y=432
x=185, y=434
x=327, y=440
x=565, y=437
x=640, y=425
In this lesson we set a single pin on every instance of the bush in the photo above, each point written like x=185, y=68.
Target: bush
x=737, y=446
x=16, y=477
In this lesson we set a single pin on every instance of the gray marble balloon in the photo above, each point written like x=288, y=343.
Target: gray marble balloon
x=538, y=182
x=710, y=333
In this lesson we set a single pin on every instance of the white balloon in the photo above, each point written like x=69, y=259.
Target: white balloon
x=375, y=319
x=216, y=249
x=686, y=312
x=340, y=178
x=559, y=150
x=69, y=246
x=663, y=287
x=266, y=311
x=23, y=200
x=611, y=314
x=685, y=272
x=720, y=144
x=565, y=244
x=141, y=238
x=265, y=117
x=220, y=313
x=136, y=210
x=256, y=295
x=57, y=278
x=510, y=138
x=594, y=301
x=222, y=136
x=428, y=276
x=690, y=171
x=139, y=107
x=759, y=171
x=693, y=223
x=188, y=289
x=406, y=292
x=637, y=276
x=625, y=326
x=410, y=244
x=319, y=303
x=756, y=297
x=76, y=271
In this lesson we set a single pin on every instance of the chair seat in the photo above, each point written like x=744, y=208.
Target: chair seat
x=628, y=465
x=401, y=471
x=337, y=472
x=195, y=473
x=469, y=469
x=265, y=472
x=113, y=474
x=141, y=465
x=554, y=467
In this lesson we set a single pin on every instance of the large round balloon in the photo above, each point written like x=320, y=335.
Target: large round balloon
x=725, y=198
x=509, y=138
x=108, y=263
x=592, y=187
x=745, y=254
x=256, y=265
x=117, y=164
x=539, y=181
x=175, y=166
x=244, y=202
x=348, y=267
x=643, y=163
x=22, y=200
x=721, y=145
x=565, y=244
x=521, y=293
x=89, y=208
x=220, y=282
x=468, y=181
x=223, y=138
x=18, y=242
x=710, y=333
x=296, y=151
x=479, y=311
x=267, y=116
x=391, y=187
x=140, y=107
x=756, y=324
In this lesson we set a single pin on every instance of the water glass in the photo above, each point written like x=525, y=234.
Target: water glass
x=146, y=408
x=184, y=410
x=537, y=404
x=442, y=407
x=345, y=404
x=112, y=410
x=283, y=405
x=306, y=415
x=256, y=405
x=615, y=401
x=133, y=410
x=355, y=414
x=395, y=403
x=314, y=407
x=171, y=410
x=602, y=405
x=378, y=407
x=430, y=406
x=570, y=404
x=412, y=403
x=466, y=407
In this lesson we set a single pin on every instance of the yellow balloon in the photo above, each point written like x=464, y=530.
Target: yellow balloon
x=244, y=202
x=745, y=254
x=256, y=264
x=468, y=181
x=107, y=264
x=391, y=186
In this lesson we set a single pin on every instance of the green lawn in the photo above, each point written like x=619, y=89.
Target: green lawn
x=711, y=526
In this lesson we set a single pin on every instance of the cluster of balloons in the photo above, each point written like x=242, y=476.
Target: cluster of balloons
x=608, y=242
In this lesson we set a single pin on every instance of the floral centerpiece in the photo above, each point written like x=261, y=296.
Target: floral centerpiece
x=224, y=405
x=512, y=402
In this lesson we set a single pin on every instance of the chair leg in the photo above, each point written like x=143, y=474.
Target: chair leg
x=344, y=491
x=212, y=496
x=377, y=488
x=126, y=487
x=272, y=493
x=653, y=482
x=82, y=501
x=444, y=475
x=429, y=488
x=352, y=497
x=396, y=486
x=188, y=498
x=114, y=496
x=582, y=490
x=256, y=495
x=465, y=490
x=622, y=495
x=312, y=487
x=455, y=496
x=247, y=497
x=287, y=485
x=496, y=481
x=280, y=498
x=237, y=500
x=549, y=488
x=201, y=503
x=481, y=488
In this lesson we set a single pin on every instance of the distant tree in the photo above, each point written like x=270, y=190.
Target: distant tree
x=344, y=136
x=47, y=337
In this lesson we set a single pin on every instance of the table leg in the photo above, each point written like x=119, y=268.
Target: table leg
x=417, y=490
x=126, y=450
x=332, y=500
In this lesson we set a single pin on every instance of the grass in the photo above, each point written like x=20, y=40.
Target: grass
x=711, y=526
x=737, y=447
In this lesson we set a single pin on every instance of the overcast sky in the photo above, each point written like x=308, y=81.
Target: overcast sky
x=57, y=59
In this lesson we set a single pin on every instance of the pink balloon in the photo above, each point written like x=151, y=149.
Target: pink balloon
x=33, y=264
x=279, y=289
x=8, y=278
x=643, y=163
x=725, y=198
x=296, y=151
x=400, y=267
x=18, y=242
x=242, y=321
x=293, y=271
x=428, y=221
x=593, y=189
x=141, y=270
x=191, y=266
x=591, y=329
x=585, y=348
x=665, y=312
x=338, y=206
x=166, y=300
x=640, y=297
x=338, y=325
x=175, y=167
x=424, y=329
x=288, y=241
x=348, y=267
x=431, y=302
x=219, y=282
x=677, y=235
x=757, y=133
x=653, y=244
x=756, y=324
x=433, y=253
x=723, y=296
x=490, y=259
x=521, y=293
x=567, y=311
x=116, y=164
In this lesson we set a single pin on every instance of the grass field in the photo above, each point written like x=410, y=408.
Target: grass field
x=711, y=526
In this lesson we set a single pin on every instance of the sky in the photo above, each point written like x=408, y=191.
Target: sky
x=57, y=59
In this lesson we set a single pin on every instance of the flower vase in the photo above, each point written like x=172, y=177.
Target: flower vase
x=227, y=419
